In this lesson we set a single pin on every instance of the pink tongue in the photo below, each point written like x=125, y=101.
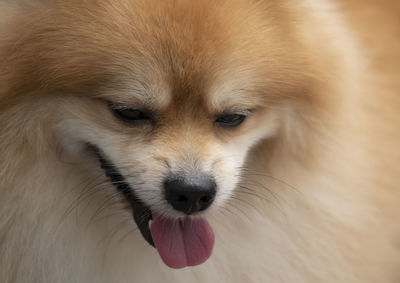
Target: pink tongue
x=184, y=243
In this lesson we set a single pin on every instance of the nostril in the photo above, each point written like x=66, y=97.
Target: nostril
x=182, y=198
x=205, y=199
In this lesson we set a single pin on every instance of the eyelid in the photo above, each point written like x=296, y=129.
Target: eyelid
x=121, y=106
x=244, y=112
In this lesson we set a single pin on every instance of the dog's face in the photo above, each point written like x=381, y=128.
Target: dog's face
x=169, y=96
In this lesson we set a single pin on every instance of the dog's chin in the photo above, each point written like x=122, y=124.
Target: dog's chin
x=142, y=214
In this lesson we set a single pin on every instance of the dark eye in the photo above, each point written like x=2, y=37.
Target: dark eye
x=130, y=115
x=231, y=120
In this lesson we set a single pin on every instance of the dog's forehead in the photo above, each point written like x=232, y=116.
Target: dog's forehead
x=189, y=54
x=159, y=52
x=213, y=91
x=154, y=52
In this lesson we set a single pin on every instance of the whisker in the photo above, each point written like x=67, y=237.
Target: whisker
x=239, y=209
x=263, y=187
x=253, y=172
x=247, y=203
x=248, y=191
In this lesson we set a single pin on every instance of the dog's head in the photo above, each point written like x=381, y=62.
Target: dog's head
x=168, y=97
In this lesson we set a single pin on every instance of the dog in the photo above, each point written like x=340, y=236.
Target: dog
x=199, y=141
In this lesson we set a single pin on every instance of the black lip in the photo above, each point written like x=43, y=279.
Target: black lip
x=141, y=213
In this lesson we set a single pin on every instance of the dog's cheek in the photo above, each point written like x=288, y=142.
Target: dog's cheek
x=226, y=170
x=144, y=171
x=73, y=136
x=233, y=155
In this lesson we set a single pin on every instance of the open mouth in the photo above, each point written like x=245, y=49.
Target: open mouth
x=180, y=243
x=141, y=213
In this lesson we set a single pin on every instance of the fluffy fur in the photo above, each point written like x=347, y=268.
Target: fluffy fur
x=308, y=186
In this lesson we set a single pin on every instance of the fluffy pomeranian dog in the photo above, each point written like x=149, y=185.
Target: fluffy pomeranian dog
x=200, y=141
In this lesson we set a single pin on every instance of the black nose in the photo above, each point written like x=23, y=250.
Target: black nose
x=190, y=195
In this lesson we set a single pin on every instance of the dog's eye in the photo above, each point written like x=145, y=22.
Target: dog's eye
x=129, y=115
x=231, y=120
